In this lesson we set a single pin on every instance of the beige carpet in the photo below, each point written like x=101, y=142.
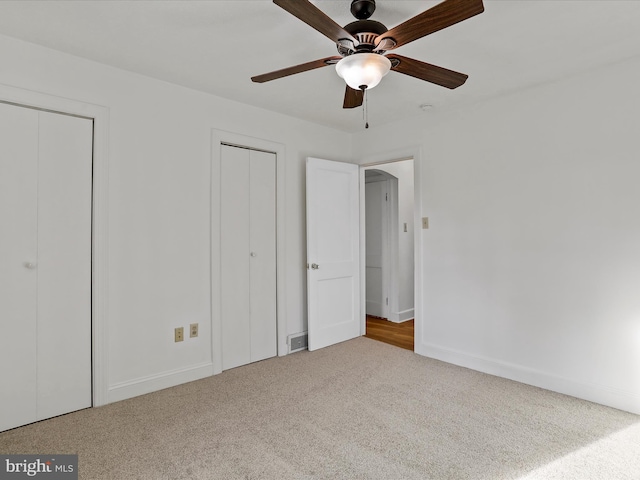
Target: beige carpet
x=358, y=410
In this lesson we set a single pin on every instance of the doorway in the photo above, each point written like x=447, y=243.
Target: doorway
x=340, y=187
x=381, y=241
x=389, y=257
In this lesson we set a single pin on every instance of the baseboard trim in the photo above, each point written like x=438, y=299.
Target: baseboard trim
x=403, y=316
x=602, y=394
x=153, y=383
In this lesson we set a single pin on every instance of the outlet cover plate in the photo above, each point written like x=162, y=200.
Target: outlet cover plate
x=179, y=334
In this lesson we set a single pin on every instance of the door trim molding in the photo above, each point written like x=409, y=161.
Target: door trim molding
x=408, y=153
x=219, y=137
x=100, y=226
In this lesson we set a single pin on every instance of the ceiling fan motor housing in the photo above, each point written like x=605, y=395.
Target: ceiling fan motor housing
x=365, y=32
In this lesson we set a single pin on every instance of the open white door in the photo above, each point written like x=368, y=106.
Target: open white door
x=333, y=269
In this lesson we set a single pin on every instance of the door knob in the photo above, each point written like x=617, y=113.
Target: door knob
x=30, y=265
x=254, y=254
x=315, y=266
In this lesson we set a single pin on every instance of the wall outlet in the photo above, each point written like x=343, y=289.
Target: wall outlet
x=193, y=330
x=179, y=334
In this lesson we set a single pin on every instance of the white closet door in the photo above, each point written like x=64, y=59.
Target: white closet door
x=248, y=256
x=18, y=247
x=262, y=193
x=45, y=264
x=234, y=261
x=64, y=264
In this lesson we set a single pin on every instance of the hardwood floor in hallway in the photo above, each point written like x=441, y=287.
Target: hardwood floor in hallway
x=398, y=334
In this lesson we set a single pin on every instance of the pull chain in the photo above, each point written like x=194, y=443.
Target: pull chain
x=366, y=109
x=365, y=106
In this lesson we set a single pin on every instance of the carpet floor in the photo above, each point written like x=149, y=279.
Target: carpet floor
x=358, y=410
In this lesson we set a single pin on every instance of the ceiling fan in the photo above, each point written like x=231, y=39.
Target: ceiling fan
x=363, y=45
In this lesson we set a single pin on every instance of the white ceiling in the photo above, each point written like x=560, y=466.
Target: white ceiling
x=216, y=46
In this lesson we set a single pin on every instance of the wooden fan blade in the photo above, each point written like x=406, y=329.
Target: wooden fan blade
x=352, y=98
x=316, y=18
x=441, y=16
x=430, y=73
x=285, y=72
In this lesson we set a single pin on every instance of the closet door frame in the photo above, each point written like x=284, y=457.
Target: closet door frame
x=99, y=228
x=218, y=138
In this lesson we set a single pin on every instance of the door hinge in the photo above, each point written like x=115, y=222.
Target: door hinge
x=386, y=197
x=387, y=300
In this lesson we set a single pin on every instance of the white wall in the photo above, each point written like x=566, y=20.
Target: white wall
x=403, y=171
x=531, y=263
x=530, y=267
x=159, y=207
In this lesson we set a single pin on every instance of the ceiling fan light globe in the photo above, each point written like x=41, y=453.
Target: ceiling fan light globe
x=363, y=69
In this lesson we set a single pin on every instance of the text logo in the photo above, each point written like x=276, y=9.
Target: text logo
x=46, y=467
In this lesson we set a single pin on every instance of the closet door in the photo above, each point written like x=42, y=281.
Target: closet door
x=18, y=275
x=234, y=258
x=64, y=264
x=262, y=239
x=45, y=264
x=248, y=256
